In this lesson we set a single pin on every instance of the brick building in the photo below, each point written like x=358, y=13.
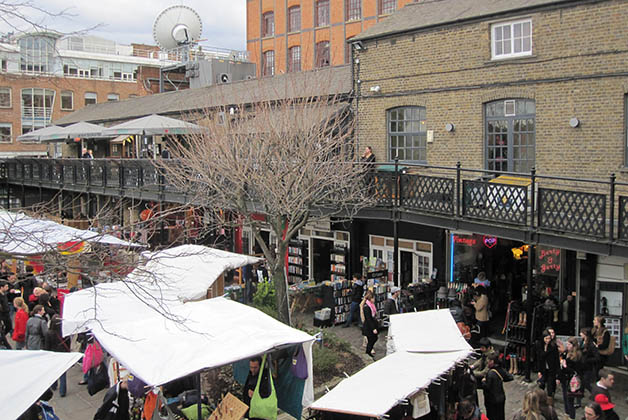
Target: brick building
x=438, y=85
x=294, y=35
x=508, y=86
x=45, y=76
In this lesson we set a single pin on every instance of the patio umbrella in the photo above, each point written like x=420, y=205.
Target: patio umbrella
x=80, y=129
x=37, y=134
x=153, y=125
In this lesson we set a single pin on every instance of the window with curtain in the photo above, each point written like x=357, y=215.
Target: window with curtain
x=268, y=24
x=322, y=13
x=322, y=54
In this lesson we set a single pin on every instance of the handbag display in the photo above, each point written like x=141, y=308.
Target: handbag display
x=299, y=363
x=263, y=408
x=97, y=379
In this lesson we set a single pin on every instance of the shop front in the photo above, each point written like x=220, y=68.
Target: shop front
x=611, y=301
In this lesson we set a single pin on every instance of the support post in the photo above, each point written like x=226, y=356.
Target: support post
x=199, y=404
x=529, y=310
x=395, y=210
x=611, y=233
x=458, y=201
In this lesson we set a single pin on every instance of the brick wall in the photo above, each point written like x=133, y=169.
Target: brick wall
x=578, y=69
x=337, y=32
x=78, y=86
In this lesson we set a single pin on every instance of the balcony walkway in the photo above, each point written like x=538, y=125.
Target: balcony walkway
x=577, y=214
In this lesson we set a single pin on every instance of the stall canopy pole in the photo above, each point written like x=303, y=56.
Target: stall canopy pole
x=199, y=408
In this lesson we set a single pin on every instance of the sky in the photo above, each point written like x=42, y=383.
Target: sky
x=127, y=21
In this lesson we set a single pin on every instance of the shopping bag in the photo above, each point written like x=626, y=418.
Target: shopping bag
x=97, y=379
x=264, y=408
x=299, y=363
x=575, y=386
x=47, y=412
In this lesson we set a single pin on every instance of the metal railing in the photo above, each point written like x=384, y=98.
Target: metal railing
x=587, y=208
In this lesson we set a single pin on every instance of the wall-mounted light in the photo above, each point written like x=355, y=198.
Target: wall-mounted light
x=574, y=122
x=376, y=88
x=449, y=127
x=358, y=45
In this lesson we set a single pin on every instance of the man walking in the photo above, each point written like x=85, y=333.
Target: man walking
x=600, y=393
x=6, y=326
x=357, y=290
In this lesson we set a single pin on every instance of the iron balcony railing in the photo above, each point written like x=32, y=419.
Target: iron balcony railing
x=589, y=208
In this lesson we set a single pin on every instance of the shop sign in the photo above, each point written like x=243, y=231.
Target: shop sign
x=464, y=240
x=548, y=260
x=490, y=241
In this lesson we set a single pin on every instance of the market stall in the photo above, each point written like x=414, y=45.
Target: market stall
x=27, y=375
x=156, y=325
x=428, y=344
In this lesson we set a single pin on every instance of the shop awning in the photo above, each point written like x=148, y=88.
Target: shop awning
x=428, y=344
x=153, y=125
x=24, y=235
x=121, y=139
x=27, y=375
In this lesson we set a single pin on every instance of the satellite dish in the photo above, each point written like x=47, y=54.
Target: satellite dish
x=176, y=26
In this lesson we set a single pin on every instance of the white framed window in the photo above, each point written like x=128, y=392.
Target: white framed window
x=67, y=100
x=113, y=97
x=511, y=39
x=6, y=132
x=90, y=98
x=418, y=253
x=5, y=97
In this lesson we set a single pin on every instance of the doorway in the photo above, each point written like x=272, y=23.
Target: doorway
x=321, y=259
x=406, y=268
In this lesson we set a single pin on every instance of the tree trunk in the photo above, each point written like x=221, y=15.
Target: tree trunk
x=281, y=286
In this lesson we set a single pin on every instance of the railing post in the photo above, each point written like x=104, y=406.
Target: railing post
x=532, y=197
x=458, y=177
x=611, y=233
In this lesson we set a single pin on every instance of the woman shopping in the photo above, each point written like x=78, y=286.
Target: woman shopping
x=370, y=326
x=571, y=373
x=602, y=338
x=547, y=363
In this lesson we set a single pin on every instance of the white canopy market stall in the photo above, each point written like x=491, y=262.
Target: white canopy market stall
x=154, y=324
x=427, y=345
x=27, y=374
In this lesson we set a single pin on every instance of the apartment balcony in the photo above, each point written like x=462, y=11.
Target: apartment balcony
x=580, y=214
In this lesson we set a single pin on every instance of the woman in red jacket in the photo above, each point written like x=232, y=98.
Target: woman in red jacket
x=21, y=317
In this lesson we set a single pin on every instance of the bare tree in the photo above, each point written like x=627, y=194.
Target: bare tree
x=28, y=15
x=291, y=160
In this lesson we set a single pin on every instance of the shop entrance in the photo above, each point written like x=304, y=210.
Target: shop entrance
x=406, y=268
x=321, y=259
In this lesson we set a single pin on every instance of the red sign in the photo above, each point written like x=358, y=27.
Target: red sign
x=464, y=240
x=548, y=260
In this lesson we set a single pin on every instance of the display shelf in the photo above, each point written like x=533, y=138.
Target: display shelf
x=298, y=267
x=338, y=263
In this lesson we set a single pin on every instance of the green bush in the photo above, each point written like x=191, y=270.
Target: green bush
x=265, y=296
x=324, y=360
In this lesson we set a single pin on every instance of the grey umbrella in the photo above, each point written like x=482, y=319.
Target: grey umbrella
x=153, y=125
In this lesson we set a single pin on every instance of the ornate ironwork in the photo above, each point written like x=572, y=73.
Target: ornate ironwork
x=97, y=173
x=572, y=211
x=622, y=223
x=494, y=201
x=113, y=174
x=429, y=193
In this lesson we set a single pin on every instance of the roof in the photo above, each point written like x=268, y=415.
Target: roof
x=431, y=13
x=328, y=81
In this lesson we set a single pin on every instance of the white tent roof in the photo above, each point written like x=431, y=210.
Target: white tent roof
x=153, y=125
x=428, y=343
x=207, y=334
x=168, y=279
x=27, y=374
x=426, y=331
x=24, y=235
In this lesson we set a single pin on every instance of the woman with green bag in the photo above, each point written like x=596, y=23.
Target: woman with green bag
x=259, y=391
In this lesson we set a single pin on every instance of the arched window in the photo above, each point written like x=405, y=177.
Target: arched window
x=268, y=24
x=268, y=68
x=510, y=128
x=407, y=133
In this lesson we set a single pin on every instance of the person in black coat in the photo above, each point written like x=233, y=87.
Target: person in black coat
x=115, y=405
x=371, y=326
x=571, y=363
x=591, y=358
x=548, y=363
x=391, y=306
x=493, y=386
x=357, y=290
x=55, y=342
x=251, y=382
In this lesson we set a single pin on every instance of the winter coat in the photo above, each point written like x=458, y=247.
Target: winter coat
x=494, y=386
x=36, y=330
x=480, y=366
x=19, y=331
x=357, y=291
x=391, y=306
x=54, y=342
x=591, y=357
x=115, y=405
x=547, y=360
x=370, y=321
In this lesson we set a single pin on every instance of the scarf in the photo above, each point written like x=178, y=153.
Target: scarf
x=372, y=306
